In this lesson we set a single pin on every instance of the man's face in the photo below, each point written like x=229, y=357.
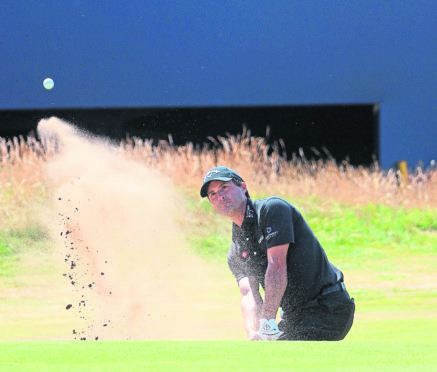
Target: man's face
x=226, y=197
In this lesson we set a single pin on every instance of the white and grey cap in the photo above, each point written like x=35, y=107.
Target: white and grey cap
x=219, y=173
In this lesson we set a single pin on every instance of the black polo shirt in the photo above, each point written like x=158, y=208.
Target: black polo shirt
x=274, y=221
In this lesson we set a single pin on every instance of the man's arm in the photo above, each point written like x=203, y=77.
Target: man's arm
x=251, y=304
x=275, y=280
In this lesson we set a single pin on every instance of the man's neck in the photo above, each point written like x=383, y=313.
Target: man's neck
x=238, y=218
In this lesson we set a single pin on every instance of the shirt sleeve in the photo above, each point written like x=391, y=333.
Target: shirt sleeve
x=235, y=265
x=277, y=223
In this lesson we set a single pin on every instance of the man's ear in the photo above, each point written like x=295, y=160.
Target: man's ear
x=243, y=187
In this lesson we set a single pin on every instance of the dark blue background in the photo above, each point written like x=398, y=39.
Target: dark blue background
x=211, y=53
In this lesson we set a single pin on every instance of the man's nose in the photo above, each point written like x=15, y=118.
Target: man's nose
x=221, y=194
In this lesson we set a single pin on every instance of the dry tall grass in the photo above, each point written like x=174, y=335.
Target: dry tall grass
x=22, y=182
x=265, y=169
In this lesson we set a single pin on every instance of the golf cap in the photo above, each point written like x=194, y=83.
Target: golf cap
x=220, y=173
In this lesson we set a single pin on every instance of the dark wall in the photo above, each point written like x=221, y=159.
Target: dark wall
x=346, y=131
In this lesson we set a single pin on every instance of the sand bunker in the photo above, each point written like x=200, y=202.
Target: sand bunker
x=125, y=260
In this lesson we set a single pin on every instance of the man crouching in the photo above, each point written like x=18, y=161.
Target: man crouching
x=273, y=246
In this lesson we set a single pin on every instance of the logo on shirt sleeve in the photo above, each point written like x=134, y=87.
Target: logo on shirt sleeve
x=270, y=234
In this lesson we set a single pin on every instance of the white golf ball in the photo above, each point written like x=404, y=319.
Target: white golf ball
x=48, y=83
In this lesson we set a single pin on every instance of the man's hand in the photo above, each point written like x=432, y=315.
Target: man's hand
x=268, y=330
x=251, y=303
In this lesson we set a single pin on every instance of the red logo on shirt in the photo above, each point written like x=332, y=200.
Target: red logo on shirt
x=244, y=254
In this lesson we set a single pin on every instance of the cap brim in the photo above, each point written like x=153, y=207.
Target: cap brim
x=204, y=189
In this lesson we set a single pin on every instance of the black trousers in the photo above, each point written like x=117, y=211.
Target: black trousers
x=327, y=318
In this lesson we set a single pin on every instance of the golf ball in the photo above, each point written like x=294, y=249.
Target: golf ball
x=48, y=83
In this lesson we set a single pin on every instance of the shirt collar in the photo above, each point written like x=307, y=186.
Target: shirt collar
x=249, y=215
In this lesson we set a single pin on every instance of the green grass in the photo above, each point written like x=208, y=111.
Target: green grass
x=395, y=327
x=352, y=236
x=363, y=355
x=16, y=243
x=374, y=231
x=210, y=233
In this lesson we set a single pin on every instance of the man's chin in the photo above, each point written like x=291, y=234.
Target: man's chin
x=224, y=211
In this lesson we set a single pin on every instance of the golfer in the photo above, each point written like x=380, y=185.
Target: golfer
x=274, y=247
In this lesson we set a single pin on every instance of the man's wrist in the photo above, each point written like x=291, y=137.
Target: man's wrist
x=267, y=313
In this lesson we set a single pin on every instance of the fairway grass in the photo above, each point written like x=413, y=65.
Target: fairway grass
x=407, y=355
x=394, y=330
x=388, y=257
